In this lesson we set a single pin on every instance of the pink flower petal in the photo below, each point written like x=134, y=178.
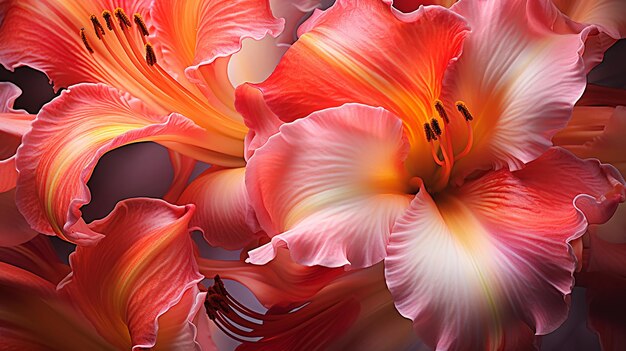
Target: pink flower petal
x=224, y=214
x=329, y=186
x=519, y=75
x=69, y=136
x=138, y=285
x=468, y=266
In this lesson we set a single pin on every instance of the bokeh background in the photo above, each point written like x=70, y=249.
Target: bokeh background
x=143, y=170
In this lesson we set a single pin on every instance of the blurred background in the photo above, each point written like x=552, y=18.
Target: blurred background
x=143, y=170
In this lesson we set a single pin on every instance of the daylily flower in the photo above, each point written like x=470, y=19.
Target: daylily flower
x=137, y=288
x=471, y=210
x=135, y=71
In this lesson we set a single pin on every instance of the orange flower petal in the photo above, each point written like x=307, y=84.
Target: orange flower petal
x=67, y=139
x=139, y=284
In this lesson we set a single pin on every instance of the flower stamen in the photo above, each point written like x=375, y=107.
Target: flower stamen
x=97, y=27
x=143, y=29
x=150, y=56
x=83, y=37
x=123, y=18
x=108, y=18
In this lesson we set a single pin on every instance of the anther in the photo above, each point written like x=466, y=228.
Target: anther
x=150, y=56
x=429, y=133
x=108, y=19
x=143, y=29
x=464, y=111
x=97, y=27
x=83, y=37
x=434, y=124
x=121, y=16
x=441, y=111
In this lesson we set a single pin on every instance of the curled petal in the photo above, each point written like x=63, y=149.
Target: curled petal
x=224, y=213
x=336, y=205
x=69, y=136
x=141, y=278
x=607, y=14
x=472, y=264
x=263, y=123
x=197, y=39
x=519, y=77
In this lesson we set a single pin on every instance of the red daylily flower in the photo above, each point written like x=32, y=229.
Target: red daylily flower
x=472, y=212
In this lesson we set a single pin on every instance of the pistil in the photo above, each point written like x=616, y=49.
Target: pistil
x=445, y=146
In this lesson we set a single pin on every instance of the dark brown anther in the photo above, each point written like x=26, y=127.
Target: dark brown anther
x=150, y=56
x=434, y=124
x=429, y=133
x=108, y=18
x=97, y=27
x=121, y=16
x=219, y=286
x=464, y=111
x=143, y=29
x=441, y=111
x=83, y=37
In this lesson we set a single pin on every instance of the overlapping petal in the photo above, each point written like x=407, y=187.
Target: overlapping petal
x=365, y=52
x=67, y=139
x=608, y=14
x=24, y=295
x=336, y=204
x=141, y=279
x=224, y=213
x=13, y=124
x=36, y=256
x=468, y=266
x=519, y=76
x=596, y=132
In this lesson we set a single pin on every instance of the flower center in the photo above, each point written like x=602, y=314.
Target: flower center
x=123, y=55
x=441, y=144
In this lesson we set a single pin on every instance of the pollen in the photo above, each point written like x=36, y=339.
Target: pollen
x=430, y=136
x=97, y=27
x=123, y=18
x=108, y=19
x=150, y=56
x=434, y=124
x=460, y=105
x=143, y=29
x=441, y=111
x=83, y=37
